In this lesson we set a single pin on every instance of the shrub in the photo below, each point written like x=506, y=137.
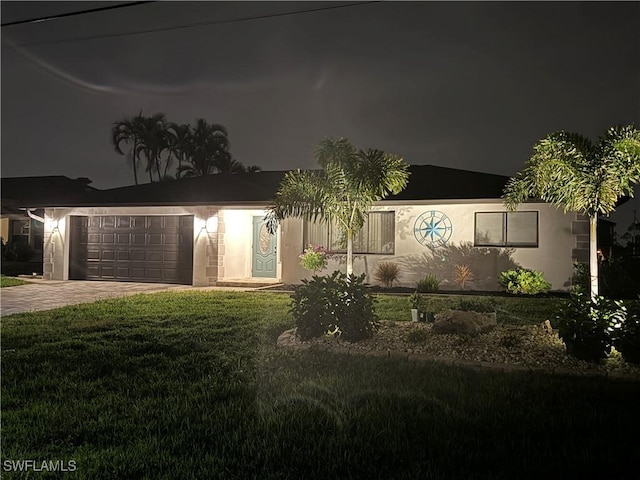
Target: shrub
x=580, y=279
x=523, y=281
x=336, y=303
x=17, y=252
x=479, y=306
x=386, y=273
x=314, y=258
x=627, y=341
x=462, y=275
x=429, y=283
x=588, y=327
x=416, y=300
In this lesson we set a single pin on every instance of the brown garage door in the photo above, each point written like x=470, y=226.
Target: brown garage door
x=132, y=248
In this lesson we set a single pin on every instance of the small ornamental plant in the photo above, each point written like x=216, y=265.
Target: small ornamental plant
x=314, y=258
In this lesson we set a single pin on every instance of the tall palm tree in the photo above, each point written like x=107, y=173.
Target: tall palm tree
x=156, y=139
x=182, y=144
x=568, y=170
x=129, y=131
x=350, y=181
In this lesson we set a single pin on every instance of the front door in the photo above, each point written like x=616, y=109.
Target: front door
x=264, y=250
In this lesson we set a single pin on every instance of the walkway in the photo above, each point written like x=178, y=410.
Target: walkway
x=48, y=294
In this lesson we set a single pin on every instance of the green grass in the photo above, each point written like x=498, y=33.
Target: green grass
x=11, y=281
x=512, y=310
x=190, y=385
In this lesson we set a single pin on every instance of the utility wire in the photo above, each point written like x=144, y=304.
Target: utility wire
x=72, y=14
x=191, y=25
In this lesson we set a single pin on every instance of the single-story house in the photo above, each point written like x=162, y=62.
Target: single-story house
x=210, y=231
x=21, y=224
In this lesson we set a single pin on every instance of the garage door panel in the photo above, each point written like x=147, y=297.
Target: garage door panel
x=138, y=255
x=154, y=222
x=154, y=239
x=123, y=222
x=139, y=238
x=134, y=248
x=170, y=239
x=170, y=256
x=123, y=239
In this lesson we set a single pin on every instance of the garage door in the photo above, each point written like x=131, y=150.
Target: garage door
x=132, y=248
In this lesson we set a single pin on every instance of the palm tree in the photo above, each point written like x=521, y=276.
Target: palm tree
x=129, y=131
x=208, y=151
x=568, y=170
x=182, y=144
x=155, y=139
x=350, y=181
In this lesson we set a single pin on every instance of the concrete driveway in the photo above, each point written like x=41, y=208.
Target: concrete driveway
x=47, y=294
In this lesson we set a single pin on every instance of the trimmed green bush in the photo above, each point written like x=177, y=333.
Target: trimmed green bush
x=429, y=283
x=523, y=281
x=335, y=303
x=588, y=327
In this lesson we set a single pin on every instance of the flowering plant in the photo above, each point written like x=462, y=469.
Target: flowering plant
x=314, y=258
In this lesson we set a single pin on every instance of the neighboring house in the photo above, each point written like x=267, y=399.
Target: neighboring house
x=20, y=224
x=210, y=231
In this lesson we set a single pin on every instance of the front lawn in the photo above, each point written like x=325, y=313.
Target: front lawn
x=191, y=385
x=11, y=281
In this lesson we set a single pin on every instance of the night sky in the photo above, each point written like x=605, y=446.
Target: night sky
x=465, y=85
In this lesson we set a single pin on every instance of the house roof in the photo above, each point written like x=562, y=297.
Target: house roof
x=426, y=182
x=21, y=192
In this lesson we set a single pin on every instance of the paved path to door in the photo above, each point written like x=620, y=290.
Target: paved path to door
x=44, y=295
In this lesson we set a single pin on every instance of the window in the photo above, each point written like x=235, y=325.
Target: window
x=506, y=229
x=377, y=235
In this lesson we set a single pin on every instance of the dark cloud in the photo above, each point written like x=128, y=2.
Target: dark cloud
x=468, y=85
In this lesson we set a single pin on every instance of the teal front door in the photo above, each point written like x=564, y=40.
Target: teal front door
x=264, y=250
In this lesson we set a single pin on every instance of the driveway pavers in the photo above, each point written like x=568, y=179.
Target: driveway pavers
x=48, y=294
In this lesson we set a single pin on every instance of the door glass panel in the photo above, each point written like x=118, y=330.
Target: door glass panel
x=265, y=240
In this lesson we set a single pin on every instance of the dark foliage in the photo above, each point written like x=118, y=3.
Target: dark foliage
x=16, y=252
x=627, y=340
x=334, y=303
x=588, y=327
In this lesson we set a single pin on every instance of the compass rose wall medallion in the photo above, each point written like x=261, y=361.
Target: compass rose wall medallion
x=433, y=229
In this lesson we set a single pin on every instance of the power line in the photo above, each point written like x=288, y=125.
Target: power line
x=191, y=25
x=72, y=14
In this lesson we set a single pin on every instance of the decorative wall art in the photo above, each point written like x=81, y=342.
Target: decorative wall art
x=433, y=229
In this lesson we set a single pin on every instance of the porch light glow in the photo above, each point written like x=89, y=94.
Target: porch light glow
x=212, y=224
x=52, y=224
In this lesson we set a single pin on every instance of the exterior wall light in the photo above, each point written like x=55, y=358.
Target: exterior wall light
x=211, y=225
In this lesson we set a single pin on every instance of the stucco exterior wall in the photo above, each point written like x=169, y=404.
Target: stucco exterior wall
x=4, y=229
x=205, y=247
x=552, y=256
x=238, y=243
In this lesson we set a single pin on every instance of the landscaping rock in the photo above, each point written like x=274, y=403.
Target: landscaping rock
x=463, y=323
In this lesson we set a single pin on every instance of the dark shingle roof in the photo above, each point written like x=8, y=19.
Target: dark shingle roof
x=54, y=188
x=426, y=182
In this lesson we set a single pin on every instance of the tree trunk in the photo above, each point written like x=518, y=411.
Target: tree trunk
x=593, y=255
x=349, y=252
x=135, y=163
